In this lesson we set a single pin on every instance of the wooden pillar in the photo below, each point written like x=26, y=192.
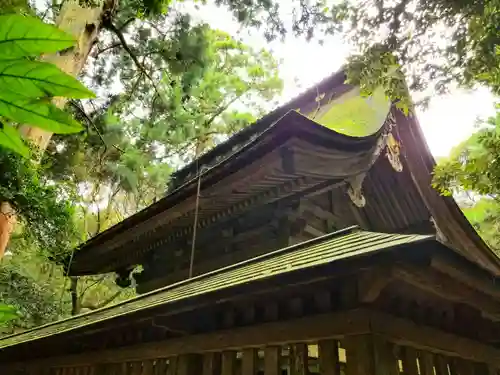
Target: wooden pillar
x=328, y=357
x=272, y=360
x=228, y=363
x=189, y=364
x=359, y=355
x=172, y=366
x=249, y=362
x=298, y=359
x=385, y=361
x=160, y=367
x=426, y=363
x=410, y=366
x=211, y=364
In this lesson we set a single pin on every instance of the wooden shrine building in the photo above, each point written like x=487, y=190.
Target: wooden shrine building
x=308, y=243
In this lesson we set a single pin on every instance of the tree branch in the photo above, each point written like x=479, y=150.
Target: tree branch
x=91, y=122
x=109, y=26
x=107, y=48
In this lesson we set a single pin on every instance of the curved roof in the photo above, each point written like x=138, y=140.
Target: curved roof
x=248, y=157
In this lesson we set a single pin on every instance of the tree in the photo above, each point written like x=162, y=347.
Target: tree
x=123, y=161
x=436, y=43
x=474, y=166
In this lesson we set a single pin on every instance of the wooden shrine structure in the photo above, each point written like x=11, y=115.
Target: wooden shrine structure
x=293, y=249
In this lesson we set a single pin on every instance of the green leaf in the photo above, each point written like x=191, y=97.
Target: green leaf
x=28, y=36
x=7, y=313
x=37, y=79
x=39, y=113
x=10, y=138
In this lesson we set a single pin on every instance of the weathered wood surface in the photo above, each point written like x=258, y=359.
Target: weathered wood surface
x=366, y=335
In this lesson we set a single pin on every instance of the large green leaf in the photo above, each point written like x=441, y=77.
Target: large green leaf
x=7, y=313
x=10, y=138
x=22, y=36
x=37, y=79
x=38, y=113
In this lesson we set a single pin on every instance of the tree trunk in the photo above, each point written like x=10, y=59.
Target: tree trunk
x=84, y=24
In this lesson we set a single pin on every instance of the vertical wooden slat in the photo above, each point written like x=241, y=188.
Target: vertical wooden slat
x=136, y=368
x=385, y=361
x=211, y=364
x=172, y=366
x=161, y=367
x=249, y=362
x=358, y=355
x=228, y=363
x=189, y=364
x=492, y=370
x=147, y=367
x=442, y=365
x=426, y=363
x=271, y=360
x=298, y=359
x=410, y=361
x=328, y=357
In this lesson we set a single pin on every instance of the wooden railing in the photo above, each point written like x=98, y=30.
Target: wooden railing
x=355, y=355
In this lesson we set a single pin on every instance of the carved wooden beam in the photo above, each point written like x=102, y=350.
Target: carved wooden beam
x=448, y=289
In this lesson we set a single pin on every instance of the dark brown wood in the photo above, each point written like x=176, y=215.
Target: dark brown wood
x=323, y=300
x=426, y=361
x=407, y=333
x=328, y=357
x=410, y=365
x=249, y=362
x=463, y=367
x=172, y=365
x=160, y=366
x=448, y=289
x=212, y=363
x=359, y=355
x=189, y=364
x=228, y=362
x=384, y=360
x=272, y=360
x=442, y=365
x=316, y=327
x=450, y=267
x=298, y=358
x=371, y=283
x=148, y=367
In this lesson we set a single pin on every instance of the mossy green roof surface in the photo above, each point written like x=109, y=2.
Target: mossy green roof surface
x=327, y=249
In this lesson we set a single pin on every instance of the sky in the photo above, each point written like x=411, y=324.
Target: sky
x=447, y=121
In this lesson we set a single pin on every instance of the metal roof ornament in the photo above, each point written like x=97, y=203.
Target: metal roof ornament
x=354, y=190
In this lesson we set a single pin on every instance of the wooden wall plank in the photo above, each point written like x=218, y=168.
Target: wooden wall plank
x=359, y=355
x=442, y=365
x=228, y=362
x=328, y=357
x=410, y=366
x=160, y=366
x=189, y=364
x=249, y=362
x=148, y=367
x=426, y=361
x=172, y=366
x=272, y=360
x=298, y=358
x=212, y=364
x=384, y=360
